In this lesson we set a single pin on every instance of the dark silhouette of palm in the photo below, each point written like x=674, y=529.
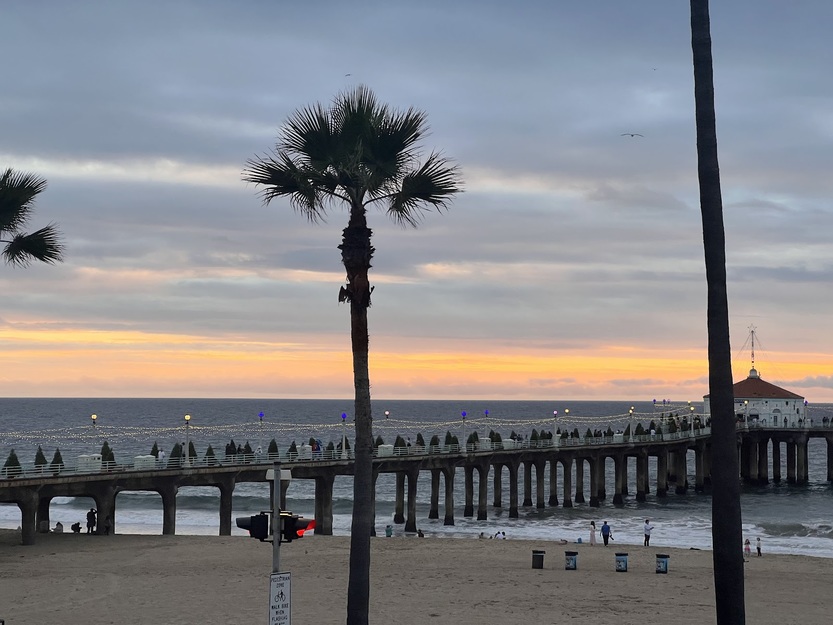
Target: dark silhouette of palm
x=18, y=191
x=357, y=153
x=726, y=511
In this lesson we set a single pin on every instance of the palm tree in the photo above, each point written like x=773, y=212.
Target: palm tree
x=357, y=153
x=18, y=191
x=726, y=512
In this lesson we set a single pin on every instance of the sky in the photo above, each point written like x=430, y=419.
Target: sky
x=570, y=268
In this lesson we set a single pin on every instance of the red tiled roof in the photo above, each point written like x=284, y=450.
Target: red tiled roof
x=756, y=387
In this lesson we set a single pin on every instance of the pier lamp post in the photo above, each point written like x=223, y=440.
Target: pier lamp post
x=630, y=421
x=344, y=454
x=187, y=461
x=745, y=412
x=691, y=421
x=387, y=414
x=463, y=415
x=555, y=423
x=94, y=417
x=486, y=415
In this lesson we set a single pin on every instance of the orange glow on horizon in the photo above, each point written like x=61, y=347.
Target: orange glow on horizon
x=97, y=363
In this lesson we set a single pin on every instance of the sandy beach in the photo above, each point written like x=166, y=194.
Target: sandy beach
x=190, y=580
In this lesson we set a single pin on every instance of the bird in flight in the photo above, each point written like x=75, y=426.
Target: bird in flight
x=348, y=74
x=631, y=134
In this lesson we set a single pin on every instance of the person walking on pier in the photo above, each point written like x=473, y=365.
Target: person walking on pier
x=592, y=533
x=606, y=533
x=647, y=530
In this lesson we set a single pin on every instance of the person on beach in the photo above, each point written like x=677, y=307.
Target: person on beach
x=59, y=528
x=91, y=521
x=592, y=533
x=758, y=545
x=747, y=548
x=76, y=528
x=606, y=533
x=647, y=531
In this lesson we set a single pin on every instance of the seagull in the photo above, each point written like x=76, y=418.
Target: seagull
x=348, y=74
x=631, y=134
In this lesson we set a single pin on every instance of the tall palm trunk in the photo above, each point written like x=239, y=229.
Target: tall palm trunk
x=726, y=511
x=356, y=254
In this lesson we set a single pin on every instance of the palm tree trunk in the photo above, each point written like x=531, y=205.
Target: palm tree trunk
x=726, y=512
x=356, y=253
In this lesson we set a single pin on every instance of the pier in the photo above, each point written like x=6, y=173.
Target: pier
x=534, y=465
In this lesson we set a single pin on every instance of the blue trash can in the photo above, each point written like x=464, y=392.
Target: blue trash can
x=662, y=563
x=570, y=560
x=621, y=563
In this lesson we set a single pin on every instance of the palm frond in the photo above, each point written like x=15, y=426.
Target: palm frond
x=432, y=185
x=17, y=197
x=280, y=176
x=43, y=245
x=308, y=136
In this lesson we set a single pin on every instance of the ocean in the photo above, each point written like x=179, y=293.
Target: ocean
x=788, y=518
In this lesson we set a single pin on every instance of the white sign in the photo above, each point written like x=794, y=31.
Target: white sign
x=286, y=475
x=280, y=599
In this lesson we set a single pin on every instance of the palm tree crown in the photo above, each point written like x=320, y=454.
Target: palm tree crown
x=18, y=191
x=358, y=151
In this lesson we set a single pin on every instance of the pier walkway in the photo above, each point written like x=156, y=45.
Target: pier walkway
x=538, y=462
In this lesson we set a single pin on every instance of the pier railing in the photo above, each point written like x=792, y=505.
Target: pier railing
x=91, y=464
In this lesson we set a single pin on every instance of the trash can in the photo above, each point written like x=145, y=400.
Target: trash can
x=621, y=563
x=538, y=559
x=662, y=563
x=570, y=560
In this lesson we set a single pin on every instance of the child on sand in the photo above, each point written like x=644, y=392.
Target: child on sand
x=747, y=548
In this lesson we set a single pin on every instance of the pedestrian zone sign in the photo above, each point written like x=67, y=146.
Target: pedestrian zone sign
x=280, y=599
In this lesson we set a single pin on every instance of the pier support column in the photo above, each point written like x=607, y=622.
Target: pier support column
x=28, y=512
x=375, y=477
x=579, y=480
x=527, y=483
x=497, y=486
x=790, y=462
x=752, y=459
x=681, y=458
x=662, y=473
x=513, y=489
x=776, y=460
x=829, y=459
x=596, y=467
x=744, y=459
x=399, y=505
x=671, y=467
x=168, y=494
x=707, y=465
x=763, y=461
x=801, y=462
x=553, y=500
x=699, y=468
x=641, y=476
x=624, y=476
x=619, y=464
x=42, y=517
x=540, y=465
x=448, y=473
x=434, y=509
x=106, y=506
x=482, y=491
x=411, y=520
x=226, y=486
x=468, y=507
x=567, y=473
x=601, y=490
x=324, y=504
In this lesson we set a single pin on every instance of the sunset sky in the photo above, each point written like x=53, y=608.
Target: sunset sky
x=571, y=267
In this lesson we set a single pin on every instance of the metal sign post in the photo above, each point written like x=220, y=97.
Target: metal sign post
x=280, y=584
